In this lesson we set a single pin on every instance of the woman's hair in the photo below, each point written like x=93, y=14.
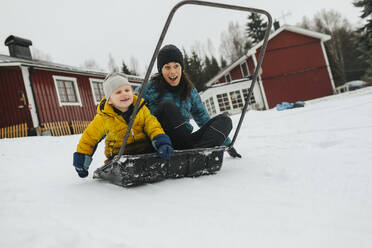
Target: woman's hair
x=185, y=85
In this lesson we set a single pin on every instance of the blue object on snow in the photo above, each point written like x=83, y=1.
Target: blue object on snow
x=287, y=105
x=299, y=104
x=284, y=106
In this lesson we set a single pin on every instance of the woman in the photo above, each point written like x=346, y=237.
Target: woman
x=172, y=98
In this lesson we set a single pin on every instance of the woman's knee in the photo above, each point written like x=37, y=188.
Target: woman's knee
x=223, y=120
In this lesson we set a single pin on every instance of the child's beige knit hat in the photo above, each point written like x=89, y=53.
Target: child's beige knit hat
x=112, y=82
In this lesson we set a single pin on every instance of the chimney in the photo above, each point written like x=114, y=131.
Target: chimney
x=276, y=25
x=19, y=47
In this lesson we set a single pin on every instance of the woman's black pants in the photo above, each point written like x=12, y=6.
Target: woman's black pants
x=213, y=133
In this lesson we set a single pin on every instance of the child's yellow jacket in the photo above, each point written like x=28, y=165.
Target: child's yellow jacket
x=107, y=122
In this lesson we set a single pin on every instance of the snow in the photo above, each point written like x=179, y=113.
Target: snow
x=305, y=180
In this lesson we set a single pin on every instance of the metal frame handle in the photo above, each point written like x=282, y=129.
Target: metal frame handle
x=158, y=45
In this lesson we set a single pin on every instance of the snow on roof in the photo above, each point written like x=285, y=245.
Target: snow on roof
x=6, y=60
x=252, y=51
x=237, y=81
x=13, y=61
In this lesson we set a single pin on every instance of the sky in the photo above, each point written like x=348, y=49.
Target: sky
x=305, y=180
x=74, y=31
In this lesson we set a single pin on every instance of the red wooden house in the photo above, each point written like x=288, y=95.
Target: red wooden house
x=36, y=92
x=295, y=67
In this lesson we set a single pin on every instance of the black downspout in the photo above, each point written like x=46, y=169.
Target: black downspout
x=30, y=72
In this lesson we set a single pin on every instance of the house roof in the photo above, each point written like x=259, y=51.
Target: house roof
x=229, y=83
x=6, y=60
x=322, y=37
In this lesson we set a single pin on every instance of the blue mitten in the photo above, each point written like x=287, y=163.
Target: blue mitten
x=165, y=151
x=81, y=163
x=163, y=146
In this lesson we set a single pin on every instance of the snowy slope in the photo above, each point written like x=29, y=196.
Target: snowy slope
x=305, y=180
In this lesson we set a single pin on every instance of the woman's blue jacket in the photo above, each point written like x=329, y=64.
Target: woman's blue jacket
x=191, y=107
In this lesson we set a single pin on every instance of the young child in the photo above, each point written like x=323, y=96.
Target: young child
x=111, y=120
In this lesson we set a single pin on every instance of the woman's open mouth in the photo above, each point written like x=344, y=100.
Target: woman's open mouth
x=174, y=78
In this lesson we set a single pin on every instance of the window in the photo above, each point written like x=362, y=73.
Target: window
x=209, y=105
x=67, y=90
x=228, y=78
x=244, y=68
x=252, y=100
x=236, y=99
x=223, y=102
x=97, y=89
x=213, y=107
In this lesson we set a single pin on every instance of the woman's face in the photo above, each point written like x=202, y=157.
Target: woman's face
x=172, y=73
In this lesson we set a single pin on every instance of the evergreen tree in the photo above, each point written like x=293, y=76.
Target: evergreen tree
x=125, y=69
x=255, y=27
x=364, y=44
x=206, y=69
x=223, y=63
x=195, y=71
x=215, y=68
x=210, y=68
x=186, y=64
x=200, y=71
x=247, y=45
x=354, y=66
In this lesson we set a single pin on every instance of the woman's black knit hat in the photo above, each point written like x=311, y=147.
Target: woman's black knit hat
x=169, y=53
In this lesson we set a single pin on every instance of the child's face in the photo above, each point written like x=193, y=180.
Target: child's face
x=122, y=98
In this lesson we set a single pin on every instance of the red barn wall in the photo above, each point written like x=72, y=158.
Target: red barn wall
x=250, y=65
x=294, y=68
x=12, y=109
x=47, y=100
x=236, y=73
x=222, y=79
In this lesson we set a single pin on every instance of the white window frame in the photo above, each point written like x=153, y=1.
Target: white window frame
x=239, y=105
x=250, y=102
x=224, y=103
x=210, y=106
x=213, y=106
x=91, y=80
x=228, y=74
x=207, y=106
x=74, y=83
x=246, y=66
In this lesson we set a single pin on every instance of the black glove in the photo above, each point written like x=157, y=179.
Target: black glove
x=233, y=153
